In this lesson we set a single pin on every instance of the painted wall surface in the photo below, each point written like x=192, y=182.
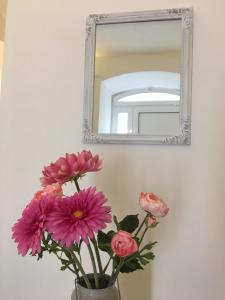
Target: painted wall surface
x=1, y=58
x=41, y=118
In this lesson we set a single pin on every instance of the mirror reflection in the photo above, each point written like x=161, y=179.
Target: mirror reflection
x=137, y=78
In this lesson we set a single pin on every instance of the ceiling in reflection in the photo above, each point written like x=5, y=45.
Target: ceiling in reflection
x=161, y=36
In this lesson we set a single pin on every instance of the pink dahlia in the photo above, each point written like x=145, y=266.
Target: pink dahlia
x=79, y=217
x=70, y=166
x=28, y=230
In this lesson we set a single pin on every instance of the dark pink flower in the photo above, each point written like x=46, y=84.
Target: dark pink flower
x=28, y=230
x=123, y=244
x=72, y=165
x=79, y=217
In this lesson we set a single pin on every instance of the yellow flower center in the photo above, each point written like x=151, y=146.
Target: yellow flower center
x=78, y=214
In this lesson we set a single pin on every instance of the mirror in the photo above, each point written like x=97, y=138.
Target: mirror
x=138, y=78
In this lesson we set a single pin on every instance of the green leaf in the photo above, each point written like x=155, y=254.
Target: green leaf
x=65, y=261
x=148, y=255
x=131, y=266
x=104, y=241
x=63, y=268
x=53, y=247
x=76, y=247
x=129, y=223
x=144, y=261
x=48, y=238
x=149, y=246
x=40, y=255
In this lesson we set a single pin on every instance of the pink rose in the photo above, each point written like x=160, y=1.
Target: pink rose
x=151, y=220
x=153, y=204
x=123, y=244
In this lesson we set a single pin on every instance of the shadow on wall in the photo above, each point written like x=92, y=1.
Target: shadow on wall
x=137, y=285
x=121, y=179
x=115, y=183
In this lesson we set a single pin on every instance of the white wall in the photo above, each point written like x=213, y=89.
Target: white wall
x=41, y=117
x=1, y=59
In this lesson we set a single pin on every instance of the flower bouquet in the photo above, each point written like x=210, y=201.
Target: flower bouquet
x=63, y=225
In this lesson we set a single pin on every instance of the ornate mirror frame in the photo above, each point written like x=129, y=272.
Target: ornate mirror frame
x=186, y=17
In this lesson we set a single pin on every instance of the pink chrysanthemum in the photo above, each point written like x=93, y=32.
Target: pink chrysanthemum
x=65, y=168
x=28, y=230
x=79, y=217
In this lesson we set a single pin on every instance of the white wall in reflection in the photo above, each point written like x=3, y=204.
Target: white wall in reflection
x=152, y=93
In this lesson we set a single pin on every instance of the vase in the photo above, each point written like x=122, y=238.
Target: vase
x=106, y=293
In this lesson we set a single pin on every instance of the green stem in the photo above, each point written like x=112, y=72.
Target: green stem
x=106, y=267
x=70, y=257
x=146, y=229
x=76, y=184
x=80, y=269
x=94, y=266
x=113, y=268
x=140, y=227
x=114, y=277
x=97, y=255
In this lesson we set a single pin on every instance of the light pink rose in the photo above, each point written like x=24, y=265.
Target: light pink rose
x=123, y=244
x=151, y=220
x=153, y=204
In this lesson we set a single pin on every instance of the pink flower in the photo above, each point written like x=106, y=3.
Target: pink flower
x=123, y=244
x=70, y=166
x=153, y=204
x=151, y=220
x=54, y=188
x=28, y=230
x=79, y=217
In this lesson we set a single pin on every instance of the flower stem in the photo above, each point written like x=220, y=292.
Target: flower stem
x=140, y=227
x=113, y=269
x=146, y=229
x=114, y=277
x=94, y=266
x=106, y=267
x=77, y=185
x=70, y=257
x=81, y=269
x=97, y=255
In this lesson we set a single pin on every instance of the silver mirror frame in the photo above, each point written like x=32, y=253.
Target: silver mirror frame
x=186, y=17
